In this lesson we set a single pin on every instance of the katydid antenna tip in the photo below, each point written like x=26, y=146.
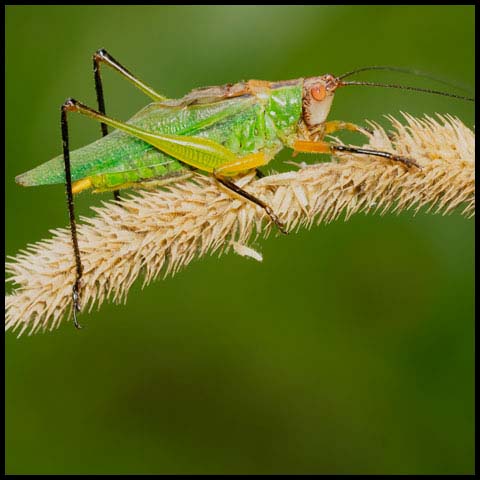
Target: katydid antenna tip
x=406, y=87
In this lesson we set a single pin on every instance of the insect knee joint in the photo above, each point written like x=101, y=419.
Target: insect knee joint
x=70, y=105
x=100, y=54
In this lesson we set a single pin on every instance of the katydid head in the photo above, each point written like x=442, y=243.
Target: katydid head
x=318, y=95
x=318, y=92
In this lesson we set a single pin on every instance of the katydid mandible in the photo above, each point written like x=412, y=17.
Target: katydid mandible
x=223, y=130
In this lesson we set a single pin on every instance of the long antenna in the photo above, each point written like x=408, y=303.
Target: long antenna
x=404, y=87
x=409, y=71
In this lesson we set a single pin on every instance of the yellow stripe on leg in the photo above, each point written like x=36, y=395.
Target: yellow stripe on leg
x=248, y=162
x=80, y=185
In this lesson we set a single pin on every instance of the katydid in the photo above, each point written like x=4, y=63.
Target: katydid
x=223, y=130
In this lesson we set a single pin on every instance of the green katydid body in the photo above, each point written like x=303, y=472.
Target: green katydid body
x=243, y=123
x=221, y=130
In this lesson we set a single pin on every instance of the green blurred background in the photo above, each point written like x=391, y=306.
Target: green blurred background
x=350, y=349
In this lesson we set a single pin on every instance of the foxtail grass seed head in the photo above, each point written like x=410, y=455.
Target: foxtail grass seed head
x=156, y=233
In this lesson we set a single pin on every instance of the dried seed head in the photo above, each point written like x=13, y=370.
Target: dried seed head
x=158, y=232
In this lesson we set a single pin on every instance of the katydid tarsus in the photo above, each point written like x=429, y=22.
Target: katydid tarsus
x=223, y=130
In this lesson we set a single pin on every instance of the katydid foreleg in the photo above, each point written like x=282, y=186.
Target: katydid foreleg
x=325, y=147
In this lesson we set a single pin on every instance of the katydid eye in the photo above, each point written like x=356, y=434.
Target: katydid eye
x=318, y=92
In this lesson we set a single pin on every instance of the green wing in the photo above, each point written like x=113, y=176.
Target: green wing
x=120, y=152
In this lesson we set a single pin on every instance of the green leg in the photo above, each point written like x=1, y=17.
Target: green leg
x=102, y=56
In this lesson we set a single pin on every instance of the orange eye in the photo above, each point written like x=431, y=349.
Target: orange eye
x=319, y=92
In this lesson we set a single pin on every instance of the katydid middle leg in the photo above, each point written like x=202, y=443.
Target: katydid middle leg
x=240, y=191
x=102, y=56
x=248, y=162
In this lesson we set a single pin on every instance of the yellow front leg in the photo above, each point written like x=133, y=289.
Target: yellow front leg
x=336, y=125
x=333, y=126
